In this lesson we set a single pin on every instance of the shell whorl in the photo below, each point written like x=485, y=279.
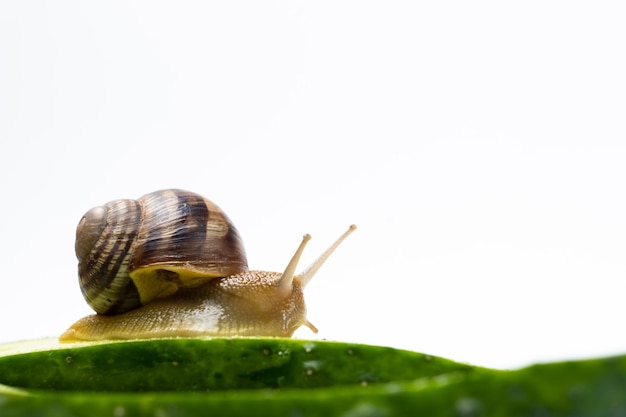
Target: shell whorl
x=184, y=228
x=132, y=251
x=104, y=270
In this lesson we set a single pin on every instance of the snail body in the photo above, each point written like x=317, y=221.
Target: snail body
x=175, y=266
x=214, y=309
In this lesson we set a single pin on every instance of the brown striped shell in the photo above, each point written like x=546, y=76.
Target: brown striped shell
x=131, y=252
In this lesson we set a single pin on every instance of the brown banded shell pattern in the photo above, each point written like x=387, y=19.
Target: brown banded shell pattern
x=103, y=270
x=152, y=246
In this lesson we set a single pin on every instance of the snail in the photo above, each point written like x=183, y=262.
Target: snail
x=172, y=264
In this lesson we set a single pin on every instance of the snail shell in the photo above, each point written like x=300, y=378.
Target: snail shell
x=131, y=252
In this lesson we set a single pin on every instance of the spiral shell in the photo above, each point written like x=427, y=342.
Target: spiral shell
x=133, y=251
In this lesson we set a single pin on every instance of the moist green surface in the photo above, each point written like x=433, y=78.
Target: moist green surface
x=185, y=377
x=218, y=364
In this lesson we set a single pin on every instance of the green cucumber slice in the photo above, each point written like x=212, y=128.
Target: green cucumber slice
x=215, y=364
x=274, y=377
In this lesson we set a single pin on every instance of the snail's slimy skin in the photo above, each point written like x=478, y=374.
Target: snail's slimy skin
x=238, y=305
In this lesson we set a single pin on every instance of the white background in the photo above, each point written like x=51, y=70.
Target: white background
x=479, y=146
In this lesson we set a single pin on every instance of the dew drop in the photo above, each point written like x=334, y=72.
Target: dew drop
x=468, y=407
x=393, y=388
x=159, y=412
x=119, y=411
x=365, y=409
x=311, y=366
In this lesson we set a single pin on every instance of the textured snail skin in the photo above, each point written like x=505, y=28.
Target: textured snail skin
x=133, y=251
x=239, y=305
